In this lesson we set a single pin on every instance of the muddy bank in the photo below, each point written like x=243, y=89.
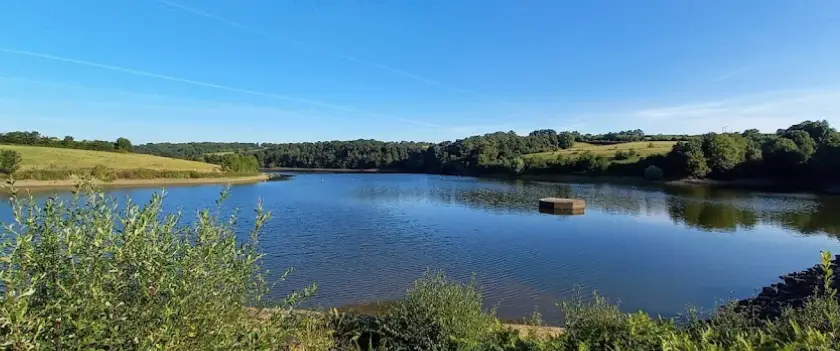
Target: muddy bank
x=70, y=184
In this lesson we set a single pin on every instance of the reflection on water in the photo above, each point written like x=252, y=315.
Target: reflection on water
x=563, y=211
x=708, y=209
x=365, y=237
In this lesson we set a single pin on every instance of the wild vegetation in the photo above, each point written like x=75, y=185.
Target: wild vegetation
x=51, y=158
x=194, y=151
x=68, y=142
x=808, y=152
x=84, y=273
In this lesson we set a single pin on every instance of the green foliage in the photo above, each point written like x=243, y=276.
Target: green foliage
x=235, y=163
x=194, y=151
x=817, y=130
x=653, y=173
x=723, y=152
x=123, y=145
x=625, y=155
x=83, y=275
x=783, y=155
x=807, y=146
x=36, y=139
x=687, y=159
x=10, y=161
x=599, y=325
x=438, y=314
x=103, y=173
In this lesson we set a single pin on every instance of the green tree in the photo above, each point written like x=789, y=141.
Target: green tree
x=818, y=130
x=10, y=161
x=123, y=144
x=803, y=141
x=687, y=160
x=783, y=156
x=566, y=140
x=723, y=152
x=827, y=158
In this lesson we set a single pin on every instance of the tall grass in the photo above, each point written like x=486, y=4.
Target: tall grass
x=107, y=174
x=85, y=274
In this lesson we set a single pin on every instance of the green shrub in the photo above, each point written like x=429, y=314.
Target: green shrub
x=653, y=173
x=103, y=173
x=598, y=325
x=438, y=314
x=10, y=161
x=79, y=275
x=625, y=155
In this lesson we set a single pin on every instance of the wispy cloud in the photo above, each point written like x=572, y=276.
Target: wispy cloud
x=329, y=52
x=767, y=111
x=733, y=73
x=198, y=83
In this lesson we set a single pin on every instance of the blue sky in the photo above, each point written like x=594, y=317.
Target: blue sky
x=283, y=70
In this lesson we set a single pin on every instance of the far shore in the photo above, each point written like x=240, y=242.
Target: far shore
x=755, y=184
x=331, y=170
x=70, y=184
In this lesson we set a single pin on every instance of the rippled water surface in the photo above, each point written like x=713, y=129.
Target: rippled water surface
x=365, y=237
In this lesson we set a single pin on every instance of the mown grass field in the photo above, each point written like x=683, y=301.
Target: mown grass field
x=642, y=148
x=38, y=157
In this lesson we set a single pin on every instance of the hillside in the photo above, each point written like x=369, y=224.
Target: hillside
x=39, y=157
x=642, y=148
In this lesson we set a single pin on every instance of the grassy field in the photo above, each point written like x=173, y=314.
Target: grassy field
x=642, y=148
x=37, y=157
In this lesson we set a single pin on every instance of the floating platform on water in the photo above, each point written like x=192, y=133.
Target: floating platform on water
x=556, y=205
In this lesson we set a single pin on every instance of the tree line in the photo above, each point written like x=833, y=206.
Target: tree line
x=473, y=155
x=808, y=150
x=193, y=151
x=36, y=139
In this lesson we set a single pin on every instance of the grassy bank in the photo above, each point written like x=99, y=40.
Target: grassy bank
x=641, y=148
x=44, y=168
x=49, y=158
x=67, y=184
x=85, y=275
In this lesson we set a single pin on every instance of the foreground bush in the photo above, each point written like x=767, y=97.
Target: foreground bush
x=438, y=314
x=84, y=275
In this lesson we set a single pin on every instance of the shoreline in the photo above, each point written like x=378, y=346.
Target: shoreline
x=70, y=184
x=331, y=170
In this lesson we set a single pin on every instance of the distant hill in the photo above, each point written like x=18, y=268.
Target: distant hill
x=39, y=157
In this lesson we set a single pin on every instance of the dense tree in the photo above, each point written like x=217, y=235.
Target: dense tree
x=724, y=152
x=803, y=141
x=10, y=161
x=36, y=139
x=193, y=151
x=783, y=156
x=818, y=130
x=827, y=158
x=687, y=159
x=123, y=145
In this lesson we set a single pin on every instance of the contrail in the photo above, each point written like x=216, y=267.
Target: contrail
x=207, y=85
x=374, y=64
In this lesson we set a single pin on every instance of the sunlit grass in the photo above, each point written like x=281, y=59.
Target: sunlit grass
x=38, y=157
x=642, y=148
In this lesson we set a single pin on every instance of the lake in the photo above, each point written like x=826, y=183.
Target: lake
x=366, y=237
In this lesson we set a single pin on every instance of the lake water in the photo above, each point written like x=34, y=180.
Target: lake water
x=366, y=237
